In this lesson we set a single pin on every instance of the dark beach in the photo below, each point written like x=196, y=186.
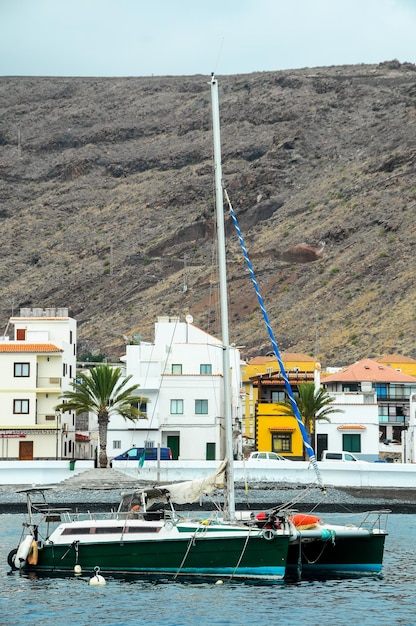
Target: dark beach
x=99, y=490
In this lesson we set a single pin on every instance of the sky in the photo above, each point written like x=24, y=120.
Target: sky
x=188, y=37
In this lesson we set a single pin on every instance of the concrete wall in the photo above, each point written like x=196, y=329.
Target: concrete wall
x=336, y=474
x=40, y=472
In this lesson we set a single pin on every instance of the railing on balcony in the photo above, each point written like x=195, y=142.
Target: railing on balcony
x=49, y=419
x=48, y=382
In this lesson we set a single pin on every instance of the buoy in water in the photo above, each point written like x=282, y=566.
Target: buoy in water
x=77, y=570
x=219, y=582
x=97, y=579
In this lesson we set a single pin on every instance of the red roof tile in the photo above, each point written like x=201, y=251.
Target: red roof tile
x=22, y=346
x=285, y=356
x=368, y=370
x=394, y=358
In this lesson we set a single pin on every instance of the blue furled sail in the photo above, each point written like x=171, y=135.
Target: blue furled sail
x=276, y=351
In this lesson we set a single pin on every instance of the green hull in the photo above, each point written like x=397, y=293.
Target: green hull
x=256, y=559
x=347, y=556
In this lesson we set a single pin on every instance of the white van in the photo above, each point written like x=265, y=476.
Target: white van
x=327, y=455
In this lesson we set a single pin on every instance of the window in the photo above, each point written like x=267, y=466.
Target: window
x=117, y=445
x=20, y=406
x=282, y=442
x=351, y=442
x=201, y=407
x=22, y=369
x=278, y=397
x=176, y=368
x=398, y=391
x=176, y=407
x=205, y=368
x=381, y=389
x=383, y=413
x=350, y=387
x=142, y=408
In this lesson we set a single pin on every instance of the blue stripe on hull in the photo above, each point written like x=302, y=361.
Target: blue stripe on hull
x=260, y=573
x=357, y=568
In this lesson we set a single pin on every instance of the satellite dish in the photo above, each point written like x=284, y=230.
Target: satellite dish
x=189, y=319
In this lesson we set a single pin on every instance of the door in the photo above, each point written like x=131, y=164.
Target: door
x=321, y=445
x=173, y=443
x=210, y=454
x=25, y=450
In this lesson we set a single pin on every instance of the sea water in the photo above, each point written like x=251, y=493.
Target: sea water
x=388, y=599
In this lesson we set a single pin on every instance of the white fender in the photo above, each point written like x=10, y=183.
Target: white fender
x=22, y=552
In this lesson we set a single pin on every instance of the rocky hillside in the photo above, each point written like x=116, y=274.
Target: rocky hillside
x=107, y=206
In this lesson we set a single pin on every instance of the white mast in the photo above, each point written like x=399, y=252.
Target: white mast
x=230, y=502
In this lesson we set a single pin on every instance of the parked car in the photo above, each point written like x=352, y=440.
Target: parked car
x=268, y=456
x=135, y=454
x=327, y=455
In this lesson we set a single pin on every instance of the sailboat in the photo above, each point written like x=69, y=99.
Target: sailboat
x=317, y=548
x=143, y=537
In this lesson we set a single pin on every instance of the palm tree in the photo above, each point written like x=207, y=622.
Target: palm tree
x=102, y=390
x=313, y=404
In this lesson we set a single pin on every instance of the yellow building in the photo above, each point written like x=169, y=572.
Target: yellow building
x=398, y=362
x=263, y=429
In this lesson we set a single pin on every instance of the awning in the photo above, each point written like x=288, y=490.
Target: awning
x=81, y=437
x=352, y=427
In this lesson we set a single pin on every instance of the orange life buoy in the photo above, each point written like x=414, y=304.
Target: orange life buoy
x=32, y=557
x=303, y=521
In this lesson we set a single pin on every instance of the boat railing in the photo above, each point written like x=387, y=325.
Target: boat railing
x=375, y=520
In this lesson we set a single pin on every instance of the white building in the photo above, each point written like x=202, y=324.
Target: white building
x=409, y=436
x=356, y=426
x=392, y=388
x=36, y=366
x=181, y=376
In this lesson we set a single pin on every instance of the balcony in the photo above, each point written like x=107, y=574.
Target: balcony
x=48, y=382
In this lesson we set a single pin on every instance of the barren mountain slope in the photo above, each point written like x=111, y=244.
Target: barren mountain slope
x=107, y=205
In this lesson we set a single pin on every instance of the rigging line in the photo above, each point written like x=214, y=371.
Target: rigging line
x=161, y=377
x=144, y=387
x=242, y=553
x=218, y=56
x=191, y=544
x=288, y=387
x=296, y=500
x=212, y=302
